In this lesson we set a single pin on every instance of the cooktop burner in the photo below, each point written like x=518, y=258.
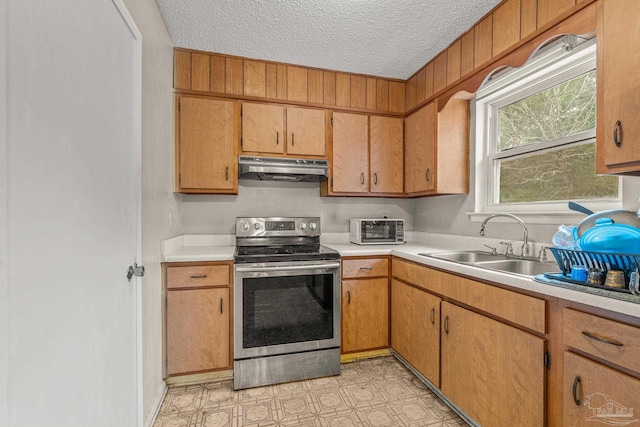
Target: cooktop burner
x=245, y=254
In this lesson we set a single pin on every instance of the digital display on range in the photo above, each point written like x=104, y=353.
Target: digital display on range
x=280, y=225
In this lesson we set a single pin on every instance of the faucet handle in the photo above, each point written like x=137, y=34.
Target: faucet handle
x=494, y=251
x=542, y=255
x=509, y=249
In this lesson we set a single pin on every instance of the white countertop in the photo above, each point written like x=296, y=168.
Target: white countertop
x=220, y=248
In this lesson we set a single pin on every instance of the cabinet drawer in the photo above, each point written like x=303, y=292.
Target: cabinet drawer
x=607, y=339
x=198, y=276
x=423, y=277
x=371, y=267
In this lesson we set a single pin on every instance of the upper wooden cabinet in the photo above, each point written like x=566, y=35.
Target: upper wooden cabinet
x=618, y=128
x=275, y=129
x=206, y=138
x=367, y=155
x=437, y=149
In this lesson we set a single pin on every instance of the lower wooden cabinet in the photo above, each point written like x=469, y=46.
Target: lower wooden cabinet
x=491, y=371
x=415, y=328
x=198, y=319
x=598, y=395
x=365, y=314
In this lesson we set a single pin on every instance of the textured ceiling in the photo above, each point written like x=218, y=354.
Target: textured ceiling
x=387, y=38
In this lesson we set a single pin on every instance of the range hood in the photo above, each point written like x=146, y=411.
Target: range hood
x=282, y=169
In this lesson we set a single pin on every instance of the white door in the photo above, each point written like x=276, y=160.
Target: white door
x=73, y=157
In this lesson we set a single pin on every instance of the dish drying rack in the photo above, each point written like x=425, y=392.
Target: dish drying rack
x=567, y=258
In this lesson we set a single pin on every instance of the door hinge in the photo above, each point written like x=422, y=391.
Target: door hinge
x=547, y=359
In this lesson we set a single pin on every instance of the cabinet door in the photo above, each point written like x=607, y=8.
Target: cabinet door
x=598, y=395
x=386, y=146
x=263, y=128
x=206, y=157
x=420, y=150
x=365, y=314
x=350, y=163
x=197, y=330
x=305, y=132
x=493, y=372
x=415, y=328
x=619, y=82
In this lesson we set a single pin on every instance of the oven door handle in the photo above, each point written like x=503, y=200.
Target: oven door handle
x=290, y=267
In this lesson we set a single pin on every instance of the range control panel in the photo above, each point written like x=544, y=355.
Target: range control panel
x=277, y=226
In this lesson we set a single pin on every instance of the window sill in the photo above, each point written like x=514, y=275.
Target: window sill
x=546, y=218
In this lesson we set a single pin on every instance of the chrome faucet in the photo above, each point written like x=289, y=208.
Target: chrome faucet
x=525, y=245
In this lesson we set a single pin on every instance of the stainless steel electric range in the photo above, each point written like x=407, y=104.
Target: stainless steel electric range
x=287, y=302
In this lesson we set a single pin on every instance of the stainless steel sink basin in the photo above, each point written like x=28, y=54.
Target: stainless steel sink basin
x=467, y=257
x=521, y=266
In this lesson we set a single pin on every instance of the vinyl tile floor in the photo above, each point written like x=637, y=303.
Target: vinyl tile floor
x=376, y=392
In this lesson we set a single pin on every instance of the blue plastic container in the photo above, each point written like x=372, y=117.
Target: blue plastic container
x=609, y=237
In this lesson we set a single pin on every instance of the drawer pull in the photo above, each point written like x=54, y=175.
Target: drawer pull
x=446, y=325
x=366, y=268
x=601, y=339
x=432, y=315
x=198, y=277
x=575, y=391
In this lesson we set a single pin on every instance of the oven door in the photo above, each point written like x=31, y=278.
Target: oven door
x=282, y=308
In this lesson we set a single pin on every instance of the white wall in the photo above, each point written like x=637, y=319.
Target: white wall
x=217, y=214
x=158, y=199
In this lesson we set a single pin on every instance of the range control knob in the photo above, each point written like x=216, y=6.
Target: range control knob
x=245, y=226
x=313, y=225
x=256, y=226
x=303, y=226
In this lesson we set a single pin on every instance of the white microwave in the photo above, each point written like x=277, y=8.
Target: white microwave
x=376, y=231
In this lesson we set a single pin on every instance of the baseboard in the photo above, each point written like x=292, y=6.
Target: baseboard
x=204, y=377
x=151, y=416
x=351, y=357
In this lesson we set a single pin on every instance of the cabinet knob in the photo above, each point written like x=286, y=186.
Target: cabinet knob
x=617, y=134
x=226, y=173
x=375, y=178
x=348, y=297
x=427, y=174
x=362, y=178
x=277, y=138
x=221, y=306
x=446, y=325
x=575, y=391
x=432, y=315
x=293, y=141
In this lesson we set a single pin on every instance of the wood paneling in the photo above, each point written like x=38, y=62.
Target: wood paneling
x=198, y=329
x=506, y=26
x=452, y=148
x=440, y=72
x=396, y=97
x=415, y=328
x=382, y=94
x=329, y=87
x=410, y=92
x=218, y=72
x=365, y=268
x=466, y=53
x=182, y=70
x=372, y=99
x=343, y=90
x=586, y=332
x=419, y=150
x=296, y=84
x=263, y=128
x=528, y=17
x=386, y=154
x=483, y=43
x=350, y=161
x=255, y=78
x=421, y=89
x=358, y=91
x=550, y=9
x=234, y=76
x=282, y=81
x=428, y=78
x=315, y=86
x=365, y=314
x=453, y=62
x=200, y=71
x=272, y=81
x=198, y=276
x=493, y=372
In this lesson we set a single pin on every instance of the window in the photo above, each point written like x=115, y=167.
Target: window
x=535, y=136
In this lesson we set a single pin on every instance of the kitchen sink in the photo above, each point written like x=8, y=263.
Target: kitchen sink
x=507, y=264
x=467, y=257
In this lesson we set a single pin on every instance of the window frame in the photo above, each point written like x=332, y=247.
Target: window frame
x=547, y=69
